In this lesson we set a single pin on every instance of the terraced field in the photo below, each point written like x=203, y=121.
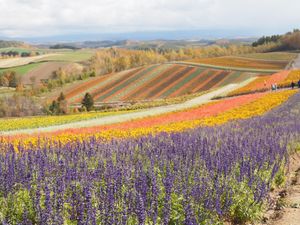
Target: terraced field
x=155, y=82
x=242, y=62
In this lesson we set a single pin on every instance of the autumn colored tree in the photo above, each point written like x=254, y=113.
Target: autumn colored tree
x=62, y=104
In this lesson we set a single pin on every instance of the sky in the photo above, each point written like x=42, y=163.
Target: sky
x=38, y=18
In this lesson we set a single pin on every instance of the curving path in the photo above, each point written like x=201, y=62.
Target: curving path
x=135, y=115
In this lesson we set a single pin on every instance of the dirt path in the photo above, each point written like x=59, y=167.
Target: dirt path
x=135, y=115
x=288, y=203
x=295, y=65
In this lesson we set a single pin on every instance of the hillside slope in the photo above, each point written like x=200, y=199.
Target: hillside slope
x=155, y=82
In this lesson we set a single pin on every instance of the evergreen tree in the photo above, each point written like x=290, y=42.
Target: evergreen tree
x=88, y=102
x=54, y=107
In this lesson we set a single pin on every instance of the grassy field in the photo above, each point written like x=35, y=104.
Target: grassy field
x=284, y=56
x=42, y=66
x=22, y=70
x=71, y=56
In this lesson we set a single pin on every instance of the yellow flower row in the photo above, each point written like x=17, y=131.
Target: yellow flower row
x=294, y=76
x=44, y=121
x=255, y=108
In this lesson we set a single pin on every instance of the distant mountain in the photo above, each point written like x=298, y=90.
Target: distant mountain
x=143, y=36
x=7, y=44
x=148, y=44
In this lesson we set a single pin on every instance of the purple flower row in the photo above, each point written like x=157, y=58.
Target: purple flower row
x=200, y=176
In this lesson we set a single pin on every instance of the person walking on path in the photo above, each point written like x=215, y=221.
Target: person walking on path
x=293, y=84
x=273, y=87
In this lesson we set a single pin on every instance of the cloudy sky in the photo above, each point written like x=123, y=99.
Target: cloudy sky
x=28, y=18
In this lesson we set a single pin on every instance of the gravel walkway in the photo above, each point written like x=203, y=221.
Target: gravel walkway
x=135, y=115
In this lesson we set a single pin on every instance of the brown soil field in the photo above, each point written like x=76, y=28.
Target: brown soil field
x=45, y=71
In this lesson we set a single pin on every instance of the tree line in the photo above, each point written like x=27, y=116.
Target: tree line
x=60, y=105
x=286, y=42
x=18, y=54
x=112, y=60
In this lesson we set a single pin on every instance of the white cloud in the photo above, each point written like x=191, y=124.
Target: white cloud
x=52, y=17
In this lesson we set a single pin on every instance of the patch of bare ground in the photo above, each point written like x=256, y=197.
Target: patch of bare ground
x=46, y=70
x=285, y=202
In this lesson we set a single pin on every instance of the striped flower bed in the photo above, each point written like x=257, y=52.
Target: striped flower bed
x=154, y=93
x=139, y=92
x=102, y=96
x=139, y=83
x=94, y=85
x=175, y=84
x=182, y=83
x=156, y=82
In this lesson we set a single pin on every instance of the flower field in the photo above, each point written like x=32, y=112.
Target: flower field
x=293, y=76
x=155, y=82
x=210, y=114
x=44, y=121
x=232, y=61
x=262, y=83
x=200, y=175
